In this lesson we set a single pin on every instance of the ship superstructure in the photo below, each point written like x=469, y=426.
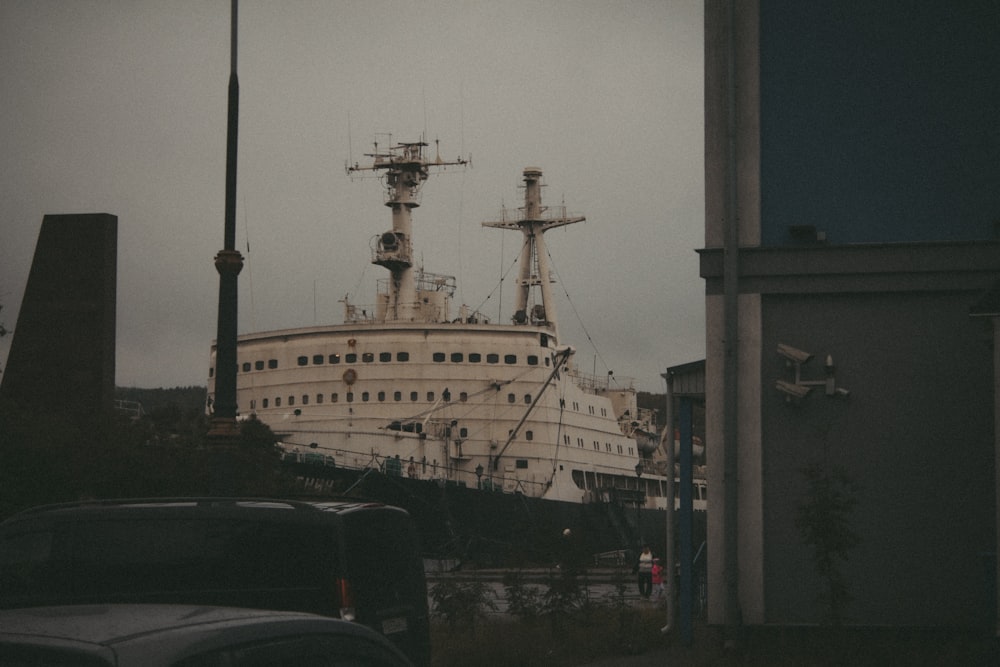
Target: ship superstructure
x=410, y=389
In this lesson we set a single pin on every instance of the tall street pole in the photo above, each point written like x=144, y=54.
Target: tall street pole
x=228, y=262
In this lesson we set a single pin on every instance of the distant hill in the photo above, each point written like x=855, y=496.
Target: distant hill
x=186, y=400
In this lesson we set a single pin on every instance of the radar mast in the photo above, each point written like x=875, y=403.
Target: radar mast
x=405, y=168
x=533, y=265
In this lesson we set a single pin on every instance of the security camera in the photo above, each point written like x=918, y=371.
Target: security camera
x=793, y=354
x=840, y=392
x=791, y=390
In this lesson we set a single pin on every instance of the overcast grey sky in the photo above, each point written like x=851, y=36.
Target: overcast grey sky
x=120, y=107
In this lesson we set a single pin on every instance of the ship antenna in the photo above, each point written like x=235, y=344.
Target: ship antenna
x=350, y=145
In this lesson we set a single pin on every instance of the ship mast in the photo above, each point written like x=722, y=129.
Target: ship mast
x=533, y=265
x=406, y=168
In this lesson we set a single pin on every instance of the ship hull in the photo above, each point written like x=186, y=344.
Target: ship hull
x=479, y=405
x=498, y=529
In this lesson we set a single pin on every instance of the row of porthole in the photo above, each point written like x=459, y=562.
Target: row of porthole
x=437, y=357
x=597, y=445
x=381, y=396
x=369, y=357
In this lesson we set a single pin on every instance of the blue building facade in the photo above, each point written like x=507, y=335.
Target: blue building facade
x=852, y=208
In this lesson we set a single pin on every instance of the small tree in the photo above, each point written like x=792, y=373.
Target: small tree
x=564, y=597
x=462, y=603
x=523, y=601
x=823, y=519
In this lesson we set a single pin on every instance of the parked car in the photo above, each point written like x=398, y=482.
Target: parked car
x=186, y=636
x=350, y=560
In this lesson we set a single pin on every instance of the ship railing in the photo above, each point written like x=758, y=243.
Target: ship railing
x=600, y=383
x=512, y=215
x=436, y=282
x=131, y=408
x=359, y=314
x=394, y=466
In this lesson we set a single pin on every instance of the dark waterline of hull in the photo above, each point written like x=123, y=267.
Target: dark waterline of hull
x=495, y=529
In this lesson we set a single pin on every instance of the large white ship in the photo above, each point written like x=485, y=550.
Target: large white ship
x=414, y=389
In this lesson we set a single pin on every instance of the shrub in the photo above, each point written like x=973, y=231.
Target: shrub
x=462, y=603
x=523, y=602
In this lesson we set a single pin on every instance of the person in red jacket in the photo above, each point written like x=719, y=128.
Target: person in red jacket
x=657, y=575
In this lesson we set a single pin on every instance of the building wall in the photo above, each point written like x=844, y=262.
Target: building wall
x=748, y=484
x=879, y=120
x=915, y=434
x=874, y=126
x=62, y=357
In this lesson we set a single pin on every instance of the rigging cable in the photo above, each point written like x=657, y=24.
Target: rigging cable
x=499, y=285
x=552, y=266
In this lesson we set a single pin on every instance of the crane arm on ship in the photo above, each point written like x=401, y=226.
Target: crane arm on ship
x=560, y=357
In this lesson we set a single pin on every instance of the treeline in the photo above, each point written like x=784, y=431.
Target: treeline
x=174, y=399
x=52, y=456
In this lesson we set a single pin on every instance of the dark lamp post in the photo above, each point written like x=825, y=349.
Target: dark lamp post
x=479, y=476
x=638, y=502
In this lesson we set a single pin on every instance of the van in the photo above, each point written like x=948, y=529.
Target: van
x=352, y=560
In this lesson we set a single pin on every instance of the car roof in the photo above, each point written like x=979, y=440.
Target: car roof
x=236, y=505
x=109, y=624
x=167, y=631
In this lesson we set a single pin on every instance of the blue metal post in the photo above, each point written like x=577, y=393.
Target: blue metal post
x=686, y=541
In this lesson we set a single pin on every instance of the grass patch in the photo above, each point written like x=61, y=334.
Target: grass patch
x=586, y=635
x=608, y=634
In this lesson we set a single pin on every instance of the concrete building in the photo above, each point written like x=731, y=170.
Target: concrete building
x=852, y=208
